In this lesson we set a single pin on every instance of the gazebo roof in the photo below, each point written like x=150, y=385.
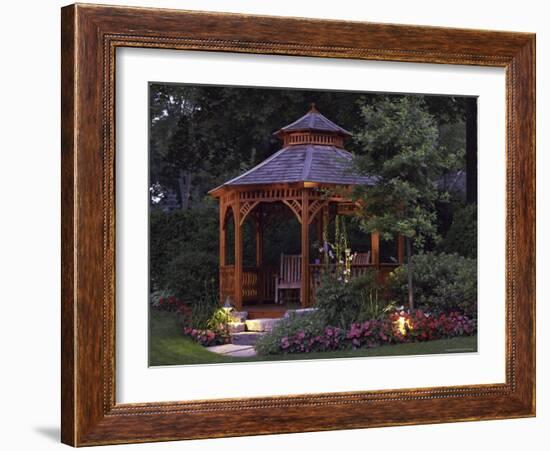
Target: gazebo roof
x=316, y=156
x=304, y=163
x=313, y=120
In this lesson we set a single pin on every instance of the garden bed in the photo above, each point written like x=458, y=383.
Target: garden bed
x=167, y=346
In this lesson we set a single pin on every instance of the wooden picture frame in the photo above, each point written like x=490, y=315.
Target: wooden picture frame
x=90, y=36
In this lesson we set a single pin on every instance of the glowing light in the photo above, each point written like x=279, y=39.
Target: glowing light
x=227, y=307
x=403, y=324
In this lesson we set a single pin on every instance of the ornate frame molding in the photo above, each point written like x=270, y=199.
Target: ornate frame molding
x=90, y=36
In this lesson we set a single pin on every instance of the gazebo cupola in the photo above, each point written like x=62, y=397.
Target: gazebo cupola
x=313, y=128
x=312, y=159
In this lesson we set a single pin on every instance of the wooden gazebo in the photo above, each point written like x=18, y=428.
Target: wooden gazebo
x=311, y=160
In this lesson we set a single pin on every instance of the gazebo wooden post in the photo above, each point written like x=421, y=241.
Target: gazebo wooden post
x=375, y=249
x=238, y=256
x=304, y=292
x=222, y=248
x=259, y=241
x=259, y=254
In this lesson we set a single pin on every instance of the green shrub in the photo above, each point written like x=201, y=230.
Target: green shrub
x=441, y=283
x=178, y=235
x=202, y=313
x=461, y=238
x=344, y=303
x=190, y=274
x=219, y=319
x=309, y=323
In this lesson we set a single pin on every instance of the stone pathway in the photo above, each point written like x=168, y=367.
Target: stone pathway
x=246, y=338
x=246, y=332
x=233, y=350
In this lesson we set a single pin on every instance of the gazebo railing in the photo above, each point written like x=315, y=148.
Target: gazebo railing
x=250, y=284
x=258, y=284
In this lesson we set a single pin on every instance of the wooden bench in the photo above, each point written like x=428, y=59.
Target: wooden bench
x=290, y=275
x=361, y=259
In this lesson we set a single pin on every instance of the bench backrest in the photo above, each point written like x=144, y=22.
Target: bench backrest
x=291, y=268
x=361, y=259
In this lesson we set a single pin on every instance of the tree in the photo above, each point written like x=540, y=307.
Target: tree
x=202, y=136
x=400, y=146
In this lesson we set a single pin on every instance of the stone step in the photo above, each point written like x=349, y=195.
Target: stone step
x=261, y=324
x=246, y=338
x=233, y=350
x=235, y=328
x=238, y=317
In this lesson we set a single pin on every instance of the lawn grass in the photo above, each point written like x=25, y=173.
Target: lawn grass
x=167, y=346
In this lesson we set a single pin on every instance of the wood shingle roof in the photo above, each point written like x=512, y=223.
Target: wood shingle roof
x=305, y=163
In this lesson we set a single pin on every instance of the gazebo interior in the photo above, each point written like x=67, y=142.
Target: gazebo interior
x=308, y=181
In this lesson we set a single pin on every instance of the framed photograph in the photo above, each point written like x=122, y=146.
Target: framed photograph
x=268, y=230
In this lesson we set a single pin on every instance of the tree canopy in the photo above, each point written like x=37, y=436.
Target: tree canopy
x=401, y=146
x=214, y=133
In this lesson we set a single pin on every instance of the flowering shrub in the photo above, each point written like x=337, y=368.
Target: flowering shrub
x=165, y=301
x=298, y=333
x=214, y=332
x=370, y=334
x=420, y=326
x=397, y=327
x=203, y=314
x=331, y=338
x=338, y=252
x=207, y=337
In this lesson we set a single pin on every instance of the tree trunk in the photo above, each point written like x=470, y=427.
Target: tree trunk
x=184, y=183
x=471, y=150
x=409, y=274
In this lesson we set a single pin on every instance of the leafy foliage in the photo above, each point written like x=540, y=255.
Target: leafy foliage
x=215, y=133
x=461, y=237
x=342, y=302
x=308, y=324
x=299, y=334
x=207, y=337
x=191, y=274
x=400, y=145
x=183, y=251
x=204, y=306
x=443, y=283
